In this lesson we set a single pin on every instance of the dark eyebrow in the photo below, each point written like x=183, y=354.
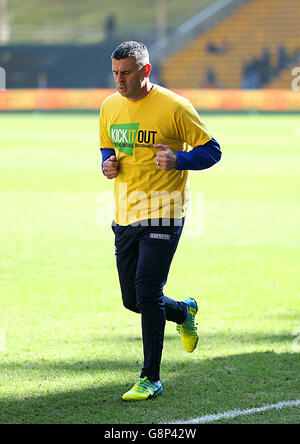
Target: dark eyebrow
x=122, y=72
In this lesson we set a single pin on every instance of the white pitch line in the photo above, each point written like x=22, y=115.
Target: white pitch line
x=234, y=413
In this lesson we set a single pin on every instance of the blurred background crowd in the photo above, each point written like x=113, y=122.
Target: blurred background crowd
x=228, y=44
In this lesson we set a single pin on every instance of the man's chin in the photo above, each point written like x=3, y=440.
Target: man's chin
x=123, y=91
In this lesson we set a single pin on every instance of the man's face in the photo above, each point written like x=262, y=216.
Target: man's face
x=129, y=78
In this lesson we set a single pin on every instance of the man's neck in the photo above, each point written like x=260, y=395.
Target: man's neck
x=144, y=92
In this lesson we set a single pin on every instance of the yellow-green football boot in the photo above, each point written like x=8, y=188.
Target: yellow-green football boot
x=142, y=390
x=188, y=330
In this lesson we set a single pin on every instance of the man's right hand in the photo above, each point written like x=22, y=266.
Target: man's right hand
x=110, y=167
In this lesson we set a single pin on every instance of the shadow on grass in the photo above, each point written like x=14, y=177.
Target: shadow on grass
x=191, y=389
x=213, y=337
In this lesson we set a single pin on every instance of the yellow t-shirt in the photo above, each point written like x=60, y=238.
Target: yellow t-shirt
x=142, y=190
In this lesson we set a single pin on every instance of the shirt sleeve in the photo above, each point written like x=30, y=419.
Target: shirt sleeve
x=105, y=140
x=199, y=158
x=191, y=129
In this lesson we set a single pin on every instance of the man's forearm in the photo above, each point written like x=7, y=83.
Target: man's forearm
x=106, y=153
x=200, y=157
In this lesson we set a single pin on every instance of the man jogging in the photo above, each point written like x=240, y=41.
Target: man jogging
x=145, y=135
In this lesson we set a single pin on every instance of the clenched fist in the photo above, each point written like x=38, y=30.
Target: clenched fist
x=110, y=167
x=165, y=159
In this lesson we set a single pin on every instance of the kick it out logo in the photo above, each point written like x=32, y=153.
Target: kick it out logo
x=2, y=79
x=126, y=135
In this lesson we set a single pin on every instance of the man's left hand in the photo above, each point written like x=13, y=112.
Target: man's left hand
x=165, y=159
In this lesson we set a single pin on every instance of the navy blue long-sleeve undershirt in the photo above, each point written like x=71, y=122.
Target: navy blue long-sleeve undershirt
x=199, y=158
x=106, y=153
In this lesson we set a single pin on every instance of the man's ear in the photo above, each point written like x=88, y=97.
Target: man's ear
x=148, y=68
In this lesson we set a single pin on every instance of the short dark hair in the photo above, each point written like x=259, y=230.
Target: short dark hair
x=132, y=49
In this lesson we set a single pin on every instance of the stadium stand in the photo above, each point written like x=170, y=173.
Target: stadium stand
x=64, y=45
x=92, y=21
x=60, y=66
x=250, y=47
x=247, y=49
x=284, y=78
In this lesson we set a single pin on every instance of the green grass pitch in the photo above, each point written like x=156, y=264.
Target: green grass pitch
x=68, y=348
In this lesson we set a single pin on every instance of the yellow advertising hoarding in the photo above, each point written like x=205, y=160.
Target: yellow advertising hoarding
x=205, y=100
